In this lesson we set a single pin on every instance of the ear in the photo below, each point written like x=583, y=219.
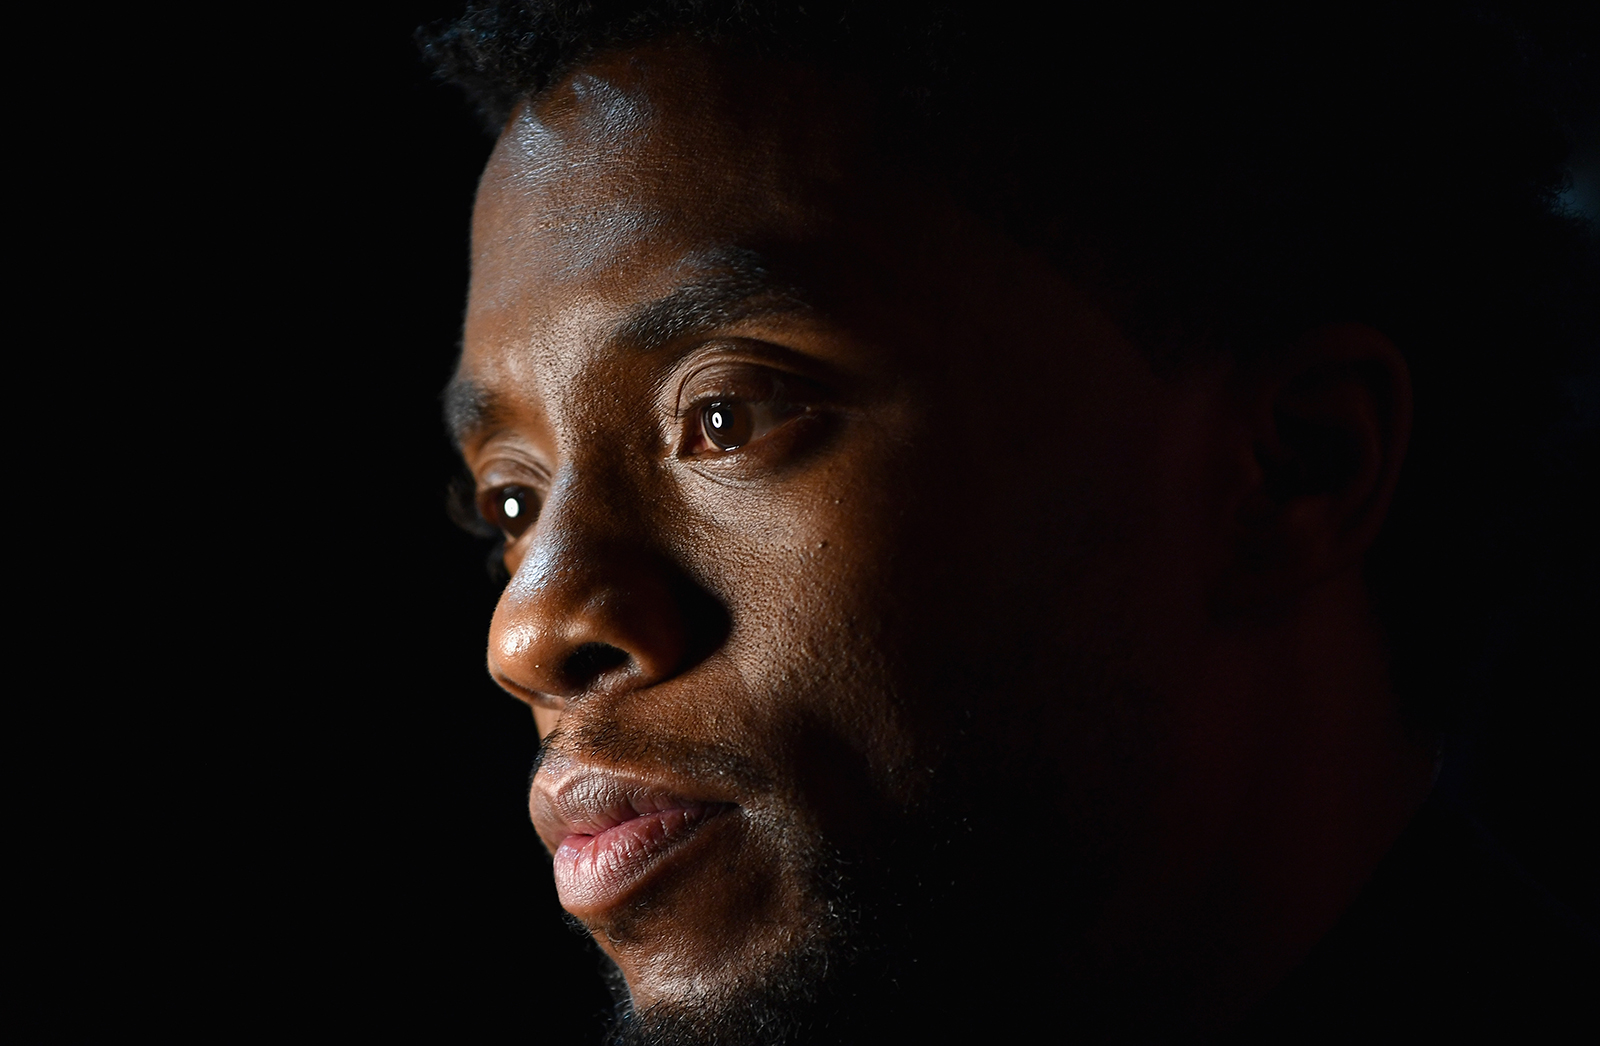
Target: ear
x=1327, y=423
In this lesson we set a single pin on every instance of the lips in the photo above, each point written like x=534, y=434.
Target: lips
x=609, y=834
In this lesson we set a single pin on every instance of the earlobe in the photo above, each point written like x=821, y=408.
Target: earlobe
x=1328, y=420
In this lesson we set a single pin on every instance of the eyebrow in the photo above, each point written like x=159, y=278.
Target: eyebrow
x=468, y=408
x=730, y=286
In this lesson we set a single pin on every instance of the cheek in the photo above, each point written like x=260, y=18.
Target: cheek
x=818, y=640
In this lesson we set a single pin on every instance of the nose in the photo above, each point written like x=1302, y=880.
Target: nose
x=587, y=610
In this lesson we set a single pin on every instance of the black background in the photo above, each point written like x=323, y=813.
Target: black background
x=278, y=793
x=416, y=898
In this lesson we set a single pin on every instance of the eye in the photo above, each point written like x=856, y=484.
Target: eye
x=727, y=424
x=512, y=509
x=746, y=413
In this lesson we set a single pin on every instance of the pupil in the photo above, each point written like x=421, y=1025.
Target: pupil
x=726, y=425
x=512, y=508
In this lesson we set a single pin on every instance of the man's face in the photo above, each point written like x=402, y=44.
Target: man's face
x=834, y=521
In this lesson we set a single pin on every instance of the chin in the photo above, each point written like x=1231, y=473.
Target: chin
x=822, y=945
x=737, y=904
x=793, y=996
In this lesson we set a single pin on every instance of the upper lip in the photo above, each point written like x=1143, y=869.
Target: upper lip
x=570, y=798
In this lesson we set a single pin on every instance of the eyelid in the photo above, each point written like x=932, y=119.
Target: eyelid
x=509, y=465
x=699, y=389
x=747, y=370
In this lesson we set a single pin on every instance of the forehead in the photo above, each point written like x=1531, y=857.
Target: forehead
x=657, y=153
x=643, y=174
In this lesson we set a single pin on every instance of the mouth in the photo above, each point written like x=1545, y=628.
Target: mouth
x=610, y=835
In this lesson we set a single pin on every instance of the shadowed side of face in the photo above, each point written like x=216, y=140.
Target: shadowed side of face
x=833, y=521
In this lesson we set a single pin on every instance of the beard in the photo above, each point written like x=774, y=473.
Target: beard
x=905, y=945
x=965, y=913
x=800, y=1000
x=837, y=986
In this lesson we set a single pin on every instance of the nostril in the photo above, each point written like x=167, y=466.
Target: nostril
x=591, y=660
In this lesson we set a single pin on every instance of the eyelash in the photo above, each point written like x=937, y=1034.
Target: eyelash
x=510, y=509
x=461, y=505
x=484, y=513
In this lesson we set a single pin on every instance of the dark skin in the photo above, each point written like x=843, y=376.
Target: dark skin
x=961, y=530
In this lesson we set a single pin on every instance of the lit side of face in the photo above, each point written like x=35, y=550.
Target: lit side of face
x=800, y=470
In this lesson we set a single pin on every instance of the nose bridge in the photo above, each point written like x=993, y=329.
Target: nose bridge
x=591, y=605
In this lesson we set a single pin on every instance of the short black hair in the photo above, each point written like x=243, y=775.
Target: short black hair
x=1225, y=182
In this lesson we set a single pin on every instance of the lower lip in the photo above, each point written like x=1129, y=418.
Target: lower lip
x=593, y=872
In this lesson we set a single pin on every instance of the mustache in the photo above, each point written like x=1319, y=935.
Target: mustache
x=547, y=744
x=620, y=745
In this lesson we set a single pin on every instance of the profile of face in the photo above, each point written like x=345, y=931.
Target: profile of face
x=857, y=560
